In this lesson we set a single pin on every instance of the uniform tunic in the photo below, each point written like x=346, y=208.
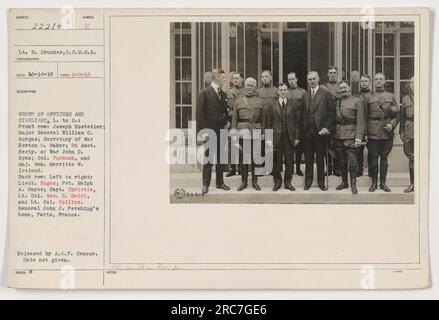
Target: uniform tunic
x=350, y=127
x=232, y=95
x=267, y=94
x=298, y=94
x=382, y=110
x=334, y=89
x=407, y=127
x=248, y=115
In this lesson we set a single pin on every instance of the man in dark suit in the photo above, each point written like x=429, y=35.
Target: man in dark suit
x=212, y=114
x=282, y=118
x=318, y=121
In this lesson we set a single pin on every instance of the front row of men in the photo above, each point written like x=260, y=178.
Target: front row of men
x=309, y=119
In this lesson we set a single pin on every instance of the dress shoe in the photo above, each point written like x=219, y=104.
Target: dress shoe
x=383, y=186
x=323, y=188
x=223, y=187
x=299, y=173
x=242, y=187
x=307, y=187
x=343, y=185
x=410, y=188
x=276, y=187
x=205, y=190
x=256, y=186
x=290, y=187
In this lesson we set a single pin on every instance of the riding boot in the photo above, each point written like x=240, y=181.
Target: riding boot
x=255, y=183
x=344, y=178
x=374, y=175
x=353, y=173
x=207, y=177
x=244, y=177
x=383, y=177
x=411, y=187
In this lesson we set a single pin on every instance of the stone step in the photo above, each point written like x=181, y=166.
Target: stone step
x=189, y=180
x=300, y=196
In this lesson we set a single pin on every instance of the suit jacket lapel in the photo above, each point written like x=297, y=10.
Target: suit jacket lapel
x=213, y=92
x=277, y=107
x=318, y=96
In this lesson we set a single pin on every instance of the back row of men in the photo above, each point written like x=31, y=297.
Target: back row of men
x=316, y=122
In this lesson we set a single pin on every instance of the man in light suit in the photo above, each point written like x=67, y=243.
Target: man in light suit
x=212, y=114
x=283, y=119
x=318, y=120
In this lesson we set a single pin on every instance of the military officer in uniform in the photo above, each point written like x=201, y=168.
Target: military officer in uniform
x=333, y=87
x=248, y=115
x=365, y=95
x=267, y=92
x=407, y=132
x=237, y=89
x=233, y=94
x=348, y=135
x=283, y=119
x=212, y=114
x=382, y=119
x=297, y=94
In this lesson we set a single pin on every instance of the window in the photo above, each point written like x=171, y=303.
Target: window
x=182, y=43
x=355, y=52
x=395, y=55
x=270, y=49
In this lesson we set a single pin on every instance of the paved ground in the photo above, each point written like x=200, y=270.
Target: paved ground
x=186, y=188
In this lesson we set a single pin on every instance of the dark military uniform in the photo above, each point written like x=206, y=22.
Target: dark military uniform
x=350, y=127
x=298, y=94
x=407, y=133
x=267, y=94
x=232, y=95
x=382, y=110
x=333, y=163
x=365, y=96
x=248, y=115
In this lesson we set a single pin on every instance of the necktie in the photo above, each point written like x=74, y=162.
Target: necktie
x=313, y=92
x=219, y=93
x=283, y=104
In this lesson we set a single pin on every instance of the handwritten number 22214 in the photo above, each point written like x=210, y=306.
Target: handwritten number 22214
x=46, y=26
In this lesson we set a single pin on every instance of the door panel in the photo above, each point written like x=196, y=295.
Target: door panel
x=295, y=56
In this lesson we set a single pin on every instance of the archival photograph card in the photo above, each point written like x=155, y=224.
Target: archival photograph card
x=219, y=148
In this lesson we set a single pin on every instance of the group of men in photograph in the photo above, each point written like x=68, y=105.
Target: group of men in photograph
x=327, y=123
